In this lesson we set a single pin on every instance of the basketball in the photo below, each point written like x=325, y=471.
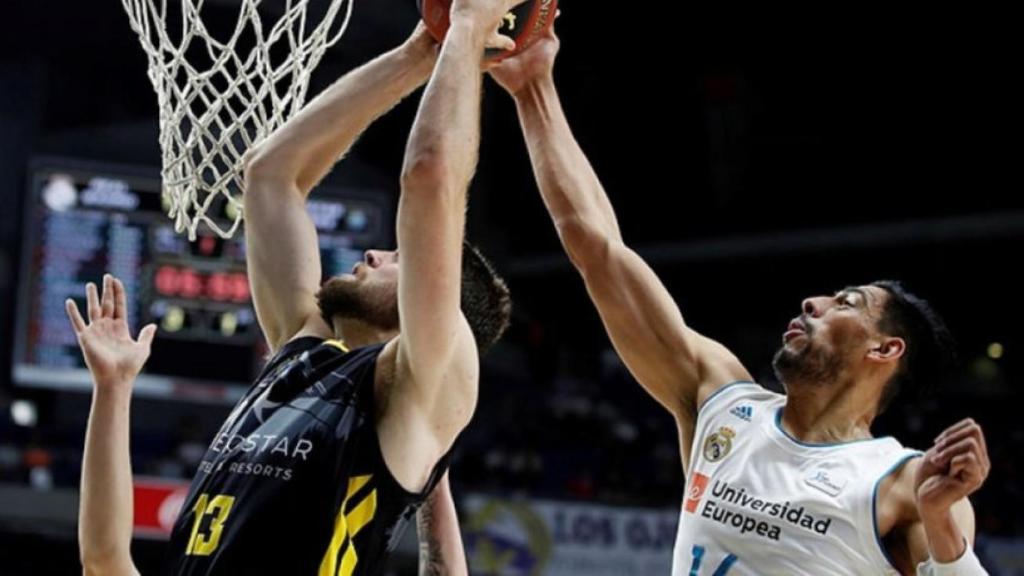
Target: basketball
x=524, y=23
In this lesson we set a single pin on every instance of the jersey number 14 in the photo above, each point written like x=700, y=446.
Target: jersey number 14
x=698, y=557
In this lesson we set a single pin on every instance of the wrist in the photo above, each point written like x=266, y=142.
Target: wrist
x=966, y=565
x=419, y=53
x=467, y=25
x=535, y=90
x=946, y=541
x=113, y=386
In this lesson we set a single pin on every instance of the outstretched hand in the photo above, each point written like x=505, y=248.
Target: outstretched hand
x=112, y=355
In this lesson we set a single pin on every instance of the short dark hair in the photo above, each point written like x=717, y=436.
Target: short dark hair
x=486, y=301
x=930, y=358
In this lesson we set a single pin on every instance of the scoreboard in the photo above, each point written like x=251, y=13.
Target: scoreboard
x=82, y=220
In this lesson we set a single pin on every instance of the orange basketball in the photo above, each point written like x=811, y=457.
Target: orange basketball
x=524, y=23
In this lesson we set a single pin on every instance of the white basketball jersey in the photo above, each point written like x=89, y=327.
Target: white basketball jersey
x=759, y=501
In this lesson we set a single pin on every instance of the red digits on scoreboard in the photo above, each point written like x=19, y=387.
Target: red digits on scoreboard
x=240, y=288
x=166, y=280
x=218, y=287
x=191, y=284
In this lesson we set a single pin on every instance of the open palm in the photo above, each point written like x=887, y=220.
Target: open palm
x=111, y=353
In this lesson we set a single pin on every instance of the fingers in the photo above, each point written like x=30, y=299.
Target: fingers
x=77, y=323
x=146, y=335
x=112, y=304
x=968, y=472
x=120, y=301
x=960, y=463
x=550, y=30
x=965, y=423
x=92, y=300
x=928, y=462
x=107, y=300
x=957, y=434
x=957, y=464
x=500, y=42
x=945, y=454
x=969, y=459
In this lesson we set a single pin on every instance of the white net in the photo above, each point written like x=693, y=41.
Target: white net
x=217, y=98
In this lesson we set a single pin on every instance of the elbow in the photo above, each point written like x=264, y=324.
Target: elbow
x=427, y=169
x=266, y=181
x=254, y=164
x=262, y=166
x=103, y=562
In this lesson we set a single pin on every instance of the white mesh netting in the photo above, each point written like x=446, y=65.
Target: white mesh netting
x=217, y=98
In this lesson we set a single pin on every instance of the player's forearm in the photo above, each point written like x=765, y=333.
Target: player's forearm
x=305, y=148
x=946, y=540
x=105, y=512
x=442, y=150
x=949, y=547
x=568, y=184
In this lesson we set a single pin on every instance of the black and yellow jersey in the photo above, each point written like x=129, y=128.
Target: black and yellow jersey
x=295, y=482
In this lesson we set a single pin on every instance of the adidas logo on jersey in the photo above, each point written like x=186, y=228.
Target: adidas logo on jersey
x=744, y=412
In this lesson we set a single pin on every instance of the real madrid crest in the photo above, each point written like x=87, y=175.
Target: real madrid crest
x=718, y=445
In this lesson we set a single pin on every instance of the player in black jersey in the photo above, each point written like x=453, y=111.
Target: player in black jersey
x=373, y=375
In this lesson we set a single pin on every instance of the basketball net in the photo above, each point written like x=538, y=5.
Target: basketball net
x=218, y=98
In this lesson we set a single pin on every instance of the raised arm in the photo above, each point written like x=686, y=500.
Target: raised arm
x=437, y=525
x=282, y=250
x=114, y=359
x=437, y=363
x=675, y=364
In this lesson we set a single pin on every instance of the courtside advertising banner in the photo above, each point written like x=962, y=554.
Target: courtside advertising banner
x=519, y=537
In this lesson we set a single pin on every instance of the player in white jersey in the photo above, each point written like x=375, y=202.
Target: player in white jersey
x=776, y=484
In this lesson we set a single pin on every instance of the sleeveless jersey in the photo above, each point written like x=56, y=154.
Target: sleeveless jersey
x=295, y=482
x=759, y=501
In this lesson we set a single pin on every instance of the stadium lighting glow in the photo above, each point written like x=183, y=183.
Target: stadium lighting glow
x=995, y=350
x=23, y=413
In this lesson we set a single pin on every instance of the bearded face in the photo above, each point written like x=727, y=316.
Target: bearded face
x=368, y=294
x=830, y=337
x=802, y=359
